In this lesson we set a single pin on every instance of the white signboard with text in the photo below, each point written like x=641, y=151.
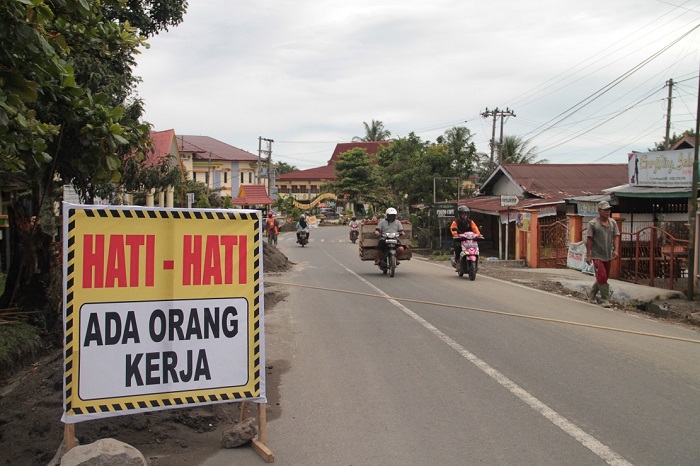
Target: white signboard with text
x=662, y=169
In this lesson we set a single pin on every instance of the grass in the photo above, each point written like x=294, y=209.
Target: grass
x=17, y=342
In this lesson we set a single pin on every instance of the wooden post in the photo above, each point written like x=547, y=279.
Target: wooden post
x=575, y=228
x=533, y=246
x=69, y=436
x=258, y=444
x=616, y=266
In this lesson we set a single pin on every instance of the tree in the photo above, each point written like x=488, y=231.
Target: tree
x=658, y=146
x=462, y=150
x=283, y=168
x=374, y=132
x=515, y=150
x=66, y=113
x=355, y=176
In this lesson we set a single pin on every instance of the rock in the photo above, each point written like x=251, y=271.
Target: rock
x=240, y=434
x=104, y=452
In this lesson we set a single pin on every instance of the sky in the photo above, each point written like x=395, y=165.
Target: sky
x=585, y=81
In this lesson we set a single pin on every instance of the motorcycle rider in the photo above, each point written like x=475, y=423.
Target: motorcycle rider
x=302, y=225
x=462, y=224
x=389, y=225
x=354, y=225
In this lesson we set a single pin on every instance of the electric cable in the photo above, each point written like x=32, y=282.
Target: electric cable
x=487, y=311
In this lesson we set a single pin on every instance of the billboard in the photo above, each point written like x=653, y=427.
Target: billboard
x=662, y=169
x=163, y=308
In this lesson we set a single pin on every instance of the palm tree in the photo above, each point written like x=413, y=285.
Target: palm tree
x=515, y=150
x=374, y=132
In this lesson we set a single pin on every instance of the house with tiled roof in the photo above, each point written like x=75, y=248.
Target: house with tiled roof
x=164, y=147
x=252, y=196
x=221, y=166
x=544, y=188
x=305, y=185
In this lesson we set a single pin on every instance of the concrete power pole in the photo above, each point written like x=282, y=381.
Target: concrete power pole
x=667, y=144
x=267, y=152
x=496, y=113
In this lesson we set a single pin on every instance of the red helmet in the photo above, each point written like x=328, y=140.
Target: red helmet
x=269, y=214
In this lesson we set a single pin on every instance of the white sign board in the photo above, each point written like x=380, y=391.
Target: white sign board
x=663, y=168
x=509, y=201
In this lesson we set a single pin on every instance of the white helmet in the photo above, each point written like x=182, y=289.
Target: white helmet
x=391, y=211
x=302, y=217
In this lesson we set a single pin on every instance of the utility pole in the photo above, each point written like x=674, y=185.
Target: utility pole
x=267, y=152
x=692, y=275
x=667, y=144
x=496, y=113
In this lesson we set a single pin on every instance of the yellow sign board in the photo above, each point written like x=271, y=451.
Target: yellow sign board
x=162, y=309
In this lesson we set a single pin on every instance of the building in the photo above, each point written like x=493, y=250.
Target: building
x=222, y=167
x=305, y=185
x=543, y=188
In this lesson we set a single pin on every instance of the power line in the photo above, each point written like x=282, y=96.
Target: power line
x=588, y=100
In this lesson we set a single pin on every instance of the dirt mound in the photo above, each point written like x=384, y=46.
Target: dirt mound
x=31, y=405
x=274, y=261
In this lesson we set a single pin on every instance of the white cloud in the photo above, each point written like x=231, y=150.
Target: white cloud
x=309, y=73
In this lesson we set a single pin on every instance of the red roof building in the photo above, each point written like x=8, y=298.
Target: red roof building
x=305, y=185
x=223, y=167
x=252, y=195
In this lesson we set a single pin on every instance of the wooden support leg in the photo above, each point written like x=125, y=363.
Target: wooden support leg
x=69, y=436
x=259, y=443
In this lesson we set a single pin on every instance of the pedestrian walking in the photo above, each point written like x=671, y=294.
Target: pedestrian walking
x=602, y=246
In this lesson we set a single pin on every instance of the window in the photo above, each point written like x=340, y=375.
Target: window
x=295, y=188
x=225, y=177
x=314, y=189
x=242, y=179
x=250, y=177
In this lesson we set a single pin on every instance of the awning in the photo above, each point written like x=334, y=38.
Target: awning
x=650, y=191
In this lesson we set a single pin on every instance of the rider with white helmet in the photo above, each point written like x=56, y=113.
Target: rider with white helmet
x=389, y=225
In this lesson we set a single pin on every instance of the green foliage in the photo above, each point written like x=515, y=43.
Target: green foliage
x=355, y=174
x=284, y=205
x=203, y=201
x=68, y=111
x=515, y=150
x=374, y=132
x=15, y=341
x=659, y=146
x=283, y=168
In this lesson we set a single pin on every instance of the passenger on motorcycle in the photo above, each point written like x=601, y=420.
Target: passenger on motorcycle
x=462, y=224
x=389, y=225
x=303, y=225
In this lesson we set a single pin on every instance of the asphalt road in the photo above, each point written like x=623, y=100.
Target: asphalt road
x=454, y=372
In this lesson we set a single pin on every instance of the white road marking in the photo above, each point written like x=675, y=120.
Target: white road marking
x=598, y=448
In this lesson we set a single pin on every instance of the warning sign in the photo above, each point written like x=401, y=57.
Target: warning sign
x=162, y=308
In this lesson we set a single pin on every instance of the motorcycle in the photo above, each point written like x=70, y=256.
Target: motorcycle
x=354, y=234
x=303, y=238
x=469, y=257
x=388, y=262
